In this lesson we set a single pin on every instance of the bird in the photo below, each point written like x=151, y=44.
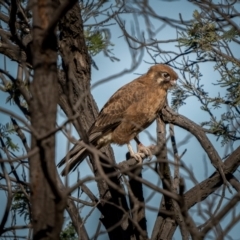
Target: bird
x=130, y=110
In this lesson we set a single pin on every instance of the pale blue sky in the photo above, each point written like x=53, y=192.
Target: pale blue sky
x=194, y=156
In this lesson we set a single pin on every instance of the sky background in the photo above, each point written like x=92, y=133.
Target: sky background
x=195, y=158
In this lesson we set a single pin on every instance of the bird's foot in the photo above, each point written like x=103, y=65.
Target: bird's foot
x=142, y=152
x=138, y=156
x=145, y=150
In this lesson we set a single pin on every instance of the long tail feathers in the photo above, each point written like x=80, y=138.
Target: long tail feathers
x=77, y=154
x=73, y=159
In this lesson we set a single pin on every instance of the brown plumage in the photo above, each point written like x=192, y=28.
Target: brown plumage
x=130, y=110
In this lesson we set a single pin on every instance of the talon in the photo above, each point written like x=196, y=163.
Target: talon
x=138, y=156
x=146, y=150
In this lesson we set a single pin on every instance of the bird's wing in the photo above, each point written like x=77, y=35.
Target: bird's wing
x=108, y=119
x=113, y=111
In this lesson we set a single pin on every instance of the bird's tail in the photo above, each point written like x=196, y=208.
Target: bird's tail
x=78, y=153
x=75, y=156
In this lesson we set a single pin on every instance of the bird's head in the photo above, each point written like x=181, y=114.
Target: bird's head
x=163, y=76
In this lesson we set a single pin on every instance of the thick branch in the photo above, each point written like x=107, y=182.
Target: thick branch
x=169, y=116
x=76, y=98
x=208, y=186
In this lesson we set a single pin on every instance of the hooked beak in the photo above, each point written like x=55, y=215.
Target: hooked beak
x=173, y=82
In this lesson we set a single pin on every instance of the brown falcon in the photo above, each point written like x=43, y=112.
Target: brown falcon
x=129, y=111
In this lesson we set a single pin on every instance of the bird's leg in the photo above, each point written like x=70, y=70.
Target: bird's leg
x=138, y=156
x=143, y=149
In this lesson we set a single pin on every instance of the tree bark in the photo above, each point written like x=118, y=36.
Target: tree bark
x=47, y=201
x=77, y=102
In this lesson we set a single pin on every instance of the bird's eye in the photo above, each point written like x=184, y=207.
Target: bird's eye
x=166, y=75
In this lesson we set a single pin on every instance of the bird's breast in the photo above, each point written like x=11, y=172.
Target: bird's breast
x=153, y=102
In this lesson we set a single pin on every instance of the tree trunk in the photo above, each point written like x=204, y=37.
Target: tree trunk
x=46, y=200
x=77, y=100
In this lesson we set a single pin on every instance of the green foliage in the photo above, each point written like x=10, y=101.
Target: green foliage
x=97, y=41
x=20, y=205
x=13, y=89
x=179, y=95
x=5, y=132
x=68, y=233
x=230, y=34
x=230, y=75
x=15, y=95
x=225, y=125
x=203, y=34
x=211, y=43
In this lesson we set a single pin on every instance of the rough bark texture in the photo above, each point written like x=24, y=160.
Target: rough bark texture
x=137, y=203
x=164, y=225
x=36, y=49
x=46, y=200
x=77, y=102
